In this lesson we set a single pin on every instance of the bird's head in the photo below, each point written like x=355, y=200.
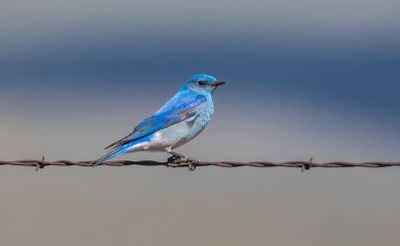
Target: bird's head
x=202, y=84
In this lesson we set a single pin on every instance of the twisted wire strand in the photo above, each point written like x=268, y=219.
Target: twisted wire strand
x=191, y=164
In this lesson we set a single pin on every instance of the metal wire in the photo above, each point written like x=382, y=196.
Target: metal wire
x=192, y=164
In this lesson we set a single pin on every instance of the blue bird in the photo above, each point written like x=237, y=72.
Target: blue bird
x=181, y=119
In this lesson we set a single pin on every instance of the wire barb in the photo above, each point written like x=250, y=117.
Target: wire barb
x=307, y=166
x=192, y=164
x=40, y=164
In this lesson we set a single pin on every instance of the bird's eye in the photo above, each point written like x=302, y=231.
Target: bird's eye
x=201, y=82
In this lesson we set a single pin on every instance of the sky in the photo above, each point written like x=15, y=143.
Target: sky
x=308, y=78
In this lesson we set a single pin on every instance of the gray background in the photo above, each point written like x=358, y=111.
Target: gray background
x=305, y=78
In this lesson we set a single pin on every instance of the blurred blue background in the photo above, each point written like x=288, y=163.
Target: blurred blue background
x=305, y=78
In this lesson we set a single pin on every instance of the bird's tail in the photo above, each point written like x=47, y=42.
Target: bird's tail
x=113, y=153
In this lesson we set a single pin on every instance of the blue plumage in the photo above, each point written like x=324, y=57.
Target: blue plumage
x=182, y=118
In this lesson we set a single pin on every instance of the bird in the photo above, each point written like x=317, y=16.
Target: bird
x=180, y=120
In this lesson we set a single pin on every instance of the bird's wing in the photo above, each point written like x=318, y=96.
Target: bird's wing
x=179, y=108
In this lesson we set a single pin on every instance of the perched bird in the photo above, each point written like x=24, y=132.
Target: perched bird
x=181, y=119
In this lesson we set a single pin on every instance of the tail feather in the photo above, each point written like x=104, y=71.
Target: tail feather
x=114, y=153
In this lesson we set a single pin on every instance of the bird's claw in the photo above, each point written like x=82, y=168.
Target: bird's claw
x=176, y=159
x=173, y=159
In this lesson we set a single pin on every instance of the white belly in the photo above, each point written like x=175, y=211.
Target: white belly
x=173, y=136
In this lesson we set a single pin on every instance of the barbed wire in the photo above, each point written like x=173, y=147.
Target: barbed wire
x=192, y=164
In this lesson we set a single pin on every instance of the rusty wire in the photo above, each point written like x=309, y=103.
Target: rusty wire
x=192, y=164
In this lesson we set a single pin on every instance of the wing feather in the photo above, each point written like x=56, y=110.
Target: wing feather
x=179, y=108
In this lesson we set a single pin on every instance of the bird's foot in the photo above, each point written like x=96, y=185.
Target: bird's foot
x=180, y=159
x=174, y=159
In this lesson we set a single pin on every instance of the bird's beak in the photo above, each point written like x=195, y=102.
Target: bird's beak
x=217, y=83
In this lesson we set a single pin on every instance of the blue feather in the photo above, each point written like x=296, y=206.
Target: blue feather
x=179, y=108
x=192, y=104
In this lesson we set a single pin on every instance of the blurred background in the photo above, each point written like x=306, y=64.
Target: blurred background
x=306, y=78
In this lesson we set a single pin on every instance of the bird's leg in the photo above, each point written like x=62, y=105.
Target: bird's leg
x=175, y=156
x=172, y=159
